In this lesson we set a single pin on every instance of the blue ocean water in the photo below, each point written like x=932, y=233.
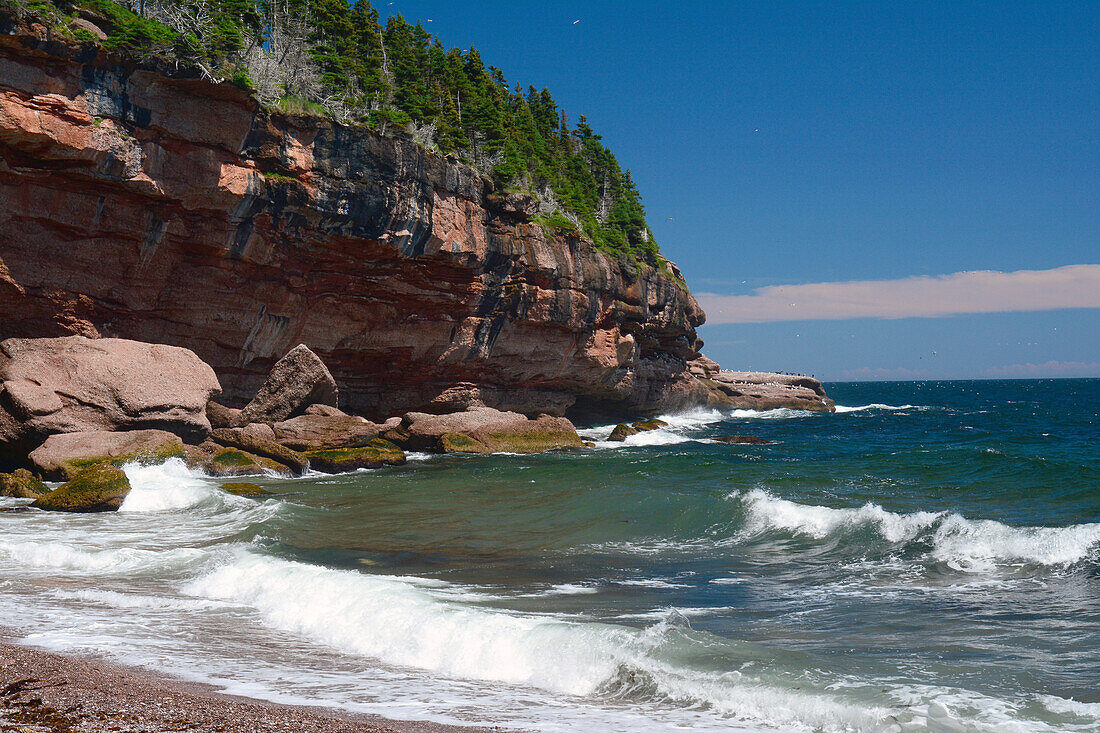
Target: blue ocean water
x=926, y=558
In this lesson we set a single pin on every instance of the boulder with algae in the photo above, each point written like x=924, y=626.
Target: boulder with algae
x=99, y=488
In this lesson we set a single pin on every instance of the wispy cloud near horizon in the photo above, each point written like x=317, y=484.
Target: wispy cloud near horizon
x=974, y=291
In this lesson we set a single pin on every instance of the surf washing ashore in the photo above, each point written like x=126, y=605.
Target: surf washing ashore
x=925, y=558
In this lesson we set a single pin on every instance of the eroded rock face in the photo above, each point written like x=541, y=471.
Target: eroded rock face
x=171, y=210
x=74, y=384
x=765, y=391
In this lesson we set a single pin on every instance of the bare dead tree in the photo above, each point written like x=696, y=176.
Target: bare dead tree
x=603, y=212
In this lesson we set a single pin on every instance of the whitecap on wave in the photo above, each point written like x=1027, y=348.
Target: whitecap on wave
x=962, y=544
x=400, y=622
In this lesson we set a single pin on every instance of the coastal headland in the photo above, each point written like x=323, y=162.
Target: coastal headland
x=174, y=231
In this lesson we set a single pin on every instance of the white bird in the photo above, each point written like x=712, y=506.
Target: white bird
x=578, y=20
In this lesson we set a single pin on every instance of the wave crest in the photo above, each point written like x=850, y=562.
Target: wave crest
x=962, y=544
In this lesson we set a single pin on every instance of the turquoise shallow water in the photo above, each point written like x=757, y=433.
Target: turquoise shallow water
x=927, y=558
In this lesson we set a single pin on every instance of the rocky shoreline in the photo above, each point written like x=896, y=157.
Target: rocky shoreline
x=44, y=692
x=74, y=410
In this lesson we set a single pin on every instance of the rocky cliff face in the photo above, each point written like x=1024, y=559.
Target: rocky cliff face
x=140, y=203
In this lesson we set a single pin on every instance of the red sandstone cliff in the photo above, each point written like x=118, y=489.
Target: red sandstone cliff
x=139, y=203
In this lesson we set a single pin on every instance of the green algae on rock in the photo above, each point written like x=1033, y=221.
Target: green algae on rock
x=64, y=455
x=621, y=432
x=100, y=488
x=21, y=484
x=651, y=424
x=245, y=489
x=375, y=454
x=235, y=462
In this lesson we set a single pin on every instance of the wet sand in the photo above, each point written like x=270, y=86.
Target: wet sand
x=43, y=691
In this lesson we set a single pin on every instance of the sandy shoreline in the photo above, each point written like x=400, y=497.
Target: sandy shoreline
x=43, y=691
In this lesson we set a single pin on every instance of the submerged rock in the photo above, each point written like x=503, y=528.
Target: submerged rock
x=21, y=484
x=297, y=381
x=100, y=488
x=244, y=489
x=375, y=454
x=621, y=432
x=744, y=440
x=65, y=455
x=252, y=440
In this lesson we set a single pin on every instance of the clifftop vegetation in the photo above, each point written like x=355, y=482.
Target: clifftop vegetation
x=329, y=57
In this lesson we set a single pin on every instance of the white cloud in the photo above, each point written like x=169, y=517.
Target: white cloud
x=1047, y=369
x=976, y=291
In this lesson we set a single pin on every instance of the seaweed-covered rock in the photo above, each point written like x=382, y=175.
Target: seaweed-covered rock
x=21, y=484
x=375, y=454
x=252, y=442
x=65, y=455
x=651, y=424
x=297, y=381
x=245, y=489
x=226, y=462
x=621, y=432
x=486, y=430
x=530, y=436
x=100, y=488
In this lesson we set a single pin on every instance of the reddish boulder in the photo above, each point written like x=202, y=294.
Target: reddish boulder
x=297, y=381
x=64, y=455
x=319, y=432
x=75, y=384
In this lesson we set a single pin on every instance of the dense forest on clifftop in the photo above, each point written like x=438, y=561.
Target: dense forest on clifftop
x=329, y=57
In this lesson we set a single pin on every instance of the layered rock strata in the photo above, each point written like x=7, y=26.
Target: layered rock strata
x=143, y=203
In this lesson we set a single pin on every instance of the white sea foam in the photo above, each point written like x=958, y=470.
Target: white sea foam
x=170, y=485
x=114, y=599
x=980, y=545
x=652, y=583
x=65, y=556
x=877, y=406
x=766, y=511
x=961, y=543
x=391, y=620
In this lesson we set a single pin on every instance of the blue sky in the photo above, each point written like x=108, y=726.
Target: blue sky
x=780, y=144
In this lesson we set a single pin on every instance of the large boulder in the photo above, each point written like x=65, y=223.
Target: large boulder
x=374, y=454
x=100, y=488
x=21, y=484
x=256, y=440
x=298, y=380
x=76, y=384
x=323, y=432
x=533, y=436
x=65, y=455
x=486, y=430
